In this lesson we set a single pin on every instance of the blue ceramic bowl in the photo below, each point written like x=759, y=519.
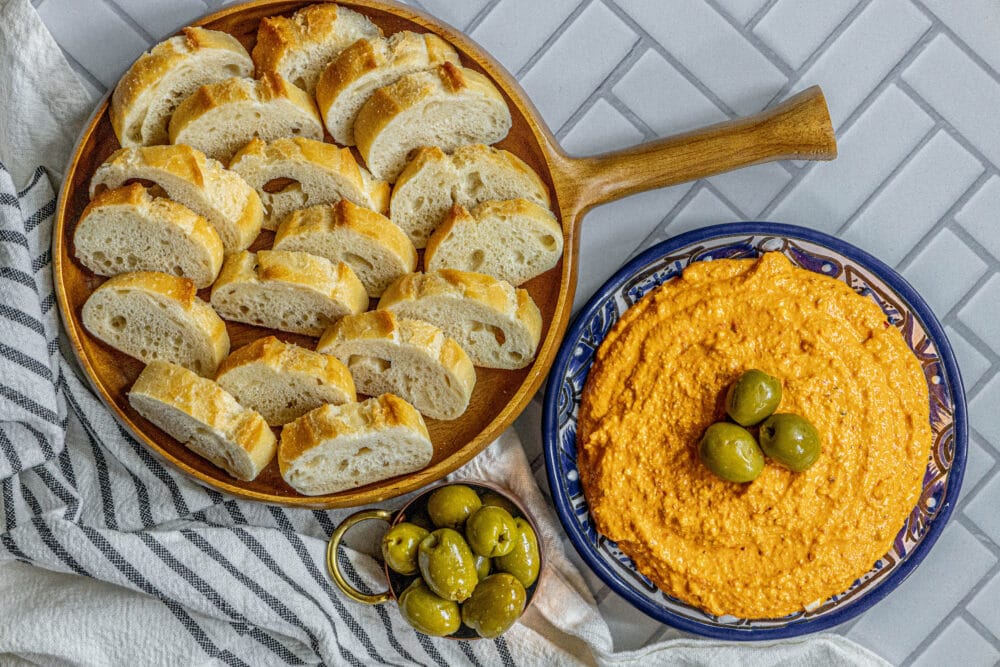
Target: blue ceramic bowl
x=813, y=251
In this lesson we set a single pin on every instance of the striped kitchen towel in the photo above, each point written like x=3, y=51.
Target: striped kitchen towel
x=110, y=557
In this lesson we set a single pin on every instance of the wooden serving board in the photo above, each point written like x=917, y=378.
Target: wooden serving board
x=800, y=128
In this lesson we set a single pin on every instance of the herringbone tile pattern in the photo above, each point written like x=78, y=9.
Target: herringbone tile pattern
x=913, y=88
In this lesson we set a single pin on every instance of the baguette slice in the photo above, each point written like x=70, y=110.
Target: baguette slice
x=434, y=181
x=282, y=381
x=206, y=419
x=198, y=182
x=448, y=106
x=497, y=325
x=311, y=172
x=156, y=316
x=127, y=229
x=288, y=291
x=513, y=240
x=369, y=64
x=409, y=358
x=300, y=46
x=220, y=118
x=164, y=76
x=375, y=249
x=338, y=447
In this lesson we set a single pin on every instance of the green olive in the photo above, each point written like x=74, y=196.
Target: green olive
x=399, y=547
x=483, y=567
x=753, y=397
x=420, y=519
x=731, y=452
x=523, y=560
x=494, y=499
x=427, y=612
x=495, y=605
x=450, y=506
x=447, y=565
x=790, y=440
x=490, y=531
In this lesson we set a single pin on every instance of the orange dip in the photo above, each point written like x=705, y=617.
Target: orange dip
x=773, y=546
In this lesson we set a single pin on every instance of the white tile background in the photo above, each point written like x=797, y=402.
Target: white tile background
x=913, y=88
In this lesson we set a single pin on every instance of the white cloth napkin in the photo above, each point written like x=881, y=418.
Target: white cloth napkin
x=110, y=557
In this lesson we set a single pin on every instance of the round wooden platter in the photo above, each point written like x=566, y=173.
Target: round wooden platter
x=799, y=128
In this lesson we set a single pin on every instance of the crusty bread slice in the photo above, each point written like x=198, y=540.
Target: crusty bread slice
x=409, y=358
x=290, y=174
x=434, y=181
x=127, y=229
x=377, y=250
x=300, y=46
x=288, y=291
x=497, y=325
x=220, y=118
x=369, y=64
x=513, y=240
x=206, y=419
x=282, y=381
x=338, y=447
x=166, y=75
x=150, y=316
x=448, y=106
x=188, y=177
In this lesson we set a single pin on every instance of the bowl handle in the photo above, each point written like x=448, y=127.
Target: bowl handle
x=331, y=556
x=798, y=128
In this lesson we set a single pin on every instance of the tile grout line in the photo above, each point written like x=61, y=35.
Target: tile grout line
x=131, y=22
x=669, y=57
x=84, y=72
x=959, y=42
x=760, y=14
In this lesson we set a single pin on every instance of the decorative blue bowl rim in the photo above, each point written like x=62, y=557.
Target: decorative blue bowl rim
x=854, y=606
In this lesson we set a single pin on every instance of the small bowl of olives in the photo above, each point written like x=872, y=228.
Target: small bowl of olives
x=462, y=560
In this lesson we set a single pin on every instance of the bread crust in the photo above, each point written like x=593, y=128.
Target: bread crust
x=259, y=162
x=237, y=224
x=315, y=26
x=276, y=97
x=329, y=422
x=495, y=220
x=448, y=82
x=340, y=221
x=403, y=52
x=514, y=306
x=207, y=403
x=165, y=289
x=141, y=203
x=382, y=328
x=336, y=284
x=132, y=96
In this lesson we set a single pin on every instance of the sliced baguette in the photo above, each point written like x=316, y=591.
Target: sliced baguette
x=409, y=358
x=448, y=106
x=311, y=172
x=369, y=64
x=220, y=118
x=206, y=419
x=338, y=447
x=497, y=325
x=166, y=75
x=282, y=381
x=300, y=46
x=127, y=229
x=434, y=181
x=198, y=182
x=288, y=291
x=156, y=316
x=377, y=250
x=513, y=240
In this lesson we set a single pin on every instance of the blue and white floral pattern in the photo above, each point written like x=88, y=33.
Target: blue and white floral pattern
x=812, y=251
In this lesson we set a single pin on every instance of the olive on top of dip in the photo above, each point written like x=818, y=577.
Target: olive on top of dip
x=771, y=547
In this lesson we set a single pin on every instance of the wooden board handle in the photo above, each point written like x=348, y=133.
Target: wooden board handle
x=798, y=128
